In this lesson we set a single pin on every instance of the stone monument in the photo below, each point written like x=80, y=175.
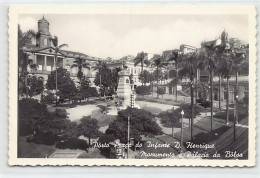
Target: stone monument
x=124, y=87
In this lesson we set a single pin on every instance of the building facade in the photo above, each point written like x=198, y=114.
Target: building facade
x=42, y=52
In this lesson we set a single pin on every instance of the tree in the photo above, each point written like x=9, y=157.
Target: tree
x=226, y=66
x=176, y=57
x=66, y=86
x=170, y=118
x=140, y=59
x=48, y=99
x=57, y=49
x=161, y=91
x=30, y=113
x=35, y=86
x=81, y=63
x=141, y=123
x=84, y=86
x=91, y=92
x=106, y=139
x=190, y=64
x=104, y=80
x=157, y=61
x=239, y=65
x=89, y=128
x=146, y=77
x=209, y=53
x=98, y=66
x=231, y=62
x=23, y=59
x=115, y=77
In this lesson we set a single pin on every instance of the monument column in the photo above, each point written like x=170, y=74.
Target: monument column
x=124, y=87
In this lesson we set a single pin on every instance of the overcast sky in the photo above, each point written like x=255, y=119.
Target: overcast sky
x=120, y=35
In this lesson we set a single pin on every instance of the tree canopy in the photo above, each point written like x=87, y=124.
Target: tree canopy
x=89, y=127
x=66, y=86
x=35, y=86
x=142, y=122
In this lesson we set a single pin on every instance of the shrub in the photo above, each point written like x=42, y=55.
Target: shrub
x=200, y=100
x=60, y=112
x=161, y=91
x=73, y=143
x=205, y=104
x=143, y=90
x=91, y=92
x=49, y=99
x=170, y=117
x=187, y=110
x=46, y=138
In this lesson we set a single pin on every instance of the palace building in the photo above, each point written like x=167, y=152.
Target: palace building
x=42, y=52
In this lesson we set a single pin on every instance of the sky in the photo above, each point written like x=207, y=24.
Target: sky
x=116, y=35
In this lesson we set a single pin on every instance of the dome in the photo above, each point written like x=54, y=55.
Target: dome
x=43, y=20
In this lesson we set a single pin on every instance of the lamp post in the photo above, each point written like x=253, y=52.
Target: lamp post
x=211, y=107
x=235, y=116
x=99, y=86
x=182, y=113
x=128, y=122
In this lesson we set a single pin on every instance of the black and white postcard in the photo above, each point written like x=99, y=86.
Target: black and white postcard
x=132, y=85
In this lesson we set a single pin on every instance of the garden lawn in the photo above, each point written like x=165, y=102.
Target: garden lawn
x=159, y=100
x=33, y=150
x=242, y=114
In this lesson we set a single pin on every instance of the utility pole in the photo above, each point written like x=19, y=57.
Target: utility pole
x=99, y=85
x=128, y=134
x=56, y=78
x=132, y=98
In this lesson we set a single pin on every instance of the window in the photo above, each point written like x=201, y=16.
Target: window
x=45, y=41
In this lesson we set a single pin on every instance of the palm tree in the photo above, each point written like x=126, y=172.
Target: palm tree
x=208, y=54
x=140, y=59
x=23, y=60
x=57, y=49
x=98, y=66
x=226, y=66
x=81, y=63
x=239, y=63
x=176, y=56
x=157, y=61
x=189, y=65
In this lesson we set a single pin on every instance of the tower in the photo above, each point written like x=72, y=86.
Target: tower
x=224, y=37
x=43, y=35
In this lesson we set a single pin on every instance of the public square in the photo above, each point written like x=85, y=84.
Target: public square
x=167, y=101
